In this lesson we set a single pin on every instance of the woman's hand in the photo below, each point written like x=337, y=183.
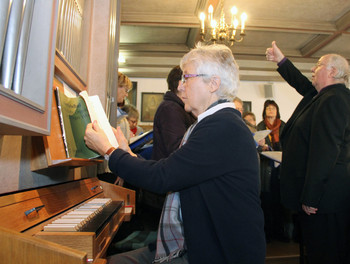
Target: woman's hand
x=122, y=141
x=96, y=139
x=261, y=142
x=263, y=145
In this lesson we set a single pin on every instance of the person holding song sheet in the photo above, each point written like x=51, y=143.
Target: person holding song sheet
x=275, y=223
x=315, y=174
x=212, y=211
x=123, y=87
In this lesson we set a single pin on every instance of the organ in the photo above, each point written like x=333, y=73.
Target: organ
x=29, y=219
x=40, y=185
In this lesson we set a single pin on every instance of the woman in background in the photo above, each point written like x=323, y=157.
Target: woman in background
x=271, y=121
x=123, y=88
x=274, y=213
x=133, y=118
x=250, y=120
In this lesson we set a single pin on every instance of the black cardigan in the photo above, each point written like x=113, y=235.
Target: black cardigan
x=216, y=173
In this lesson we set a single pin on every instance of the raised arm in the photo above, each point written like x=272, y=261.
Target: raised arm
x=288, y=71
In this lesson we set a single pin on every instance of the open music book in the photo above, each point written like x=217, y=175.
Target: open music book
x=75, y=113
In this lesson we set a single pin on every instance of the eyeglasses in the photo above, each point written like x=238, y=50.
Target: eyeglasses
x=319, y=64
x=184, y=77
x=125, y=88
x=133, y=121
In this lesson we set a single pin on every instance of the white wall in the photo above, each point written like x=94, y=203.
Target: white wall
x=284, y=95
x=148, y=85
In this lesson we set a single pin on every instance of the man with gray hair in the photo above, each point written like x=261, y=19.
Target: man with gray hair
x=315, y=172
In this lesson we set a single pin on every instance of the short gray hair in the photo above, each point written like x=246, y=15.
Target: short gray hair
x=341, y=65
x=215, y=60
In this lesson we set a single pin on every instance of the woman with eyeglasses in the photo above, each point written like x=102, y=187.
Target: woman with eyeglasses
x=124, y=86
x=212, y=211
x=275, y=226
x=271, y=121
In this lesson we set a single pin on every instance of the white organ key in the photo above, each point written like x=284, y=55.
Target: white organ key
x=75, y=216
x=61, y=227
x=69, y=221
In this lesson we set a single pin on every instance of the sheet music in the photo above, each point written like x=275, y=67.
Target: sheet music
x=97, y=112
x=259, y=135
x=274, y=155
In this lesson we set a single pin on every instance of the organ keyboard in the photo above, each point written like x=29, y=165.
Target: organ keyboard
x=81, y=216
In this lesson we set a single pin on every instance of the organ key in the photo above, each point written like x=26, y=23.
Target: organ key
x=82, y=216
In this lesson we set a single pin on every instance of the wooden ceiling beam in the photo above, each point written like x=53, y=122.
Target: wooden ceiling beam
x=341, y=25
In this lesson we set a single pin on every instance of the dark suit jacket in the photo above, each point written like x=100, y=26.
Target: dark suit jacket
x=216, y=173
x=316, y=147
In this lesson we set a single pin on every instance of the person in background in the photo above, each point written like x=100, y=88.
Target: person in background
x=238, y=104
x=250, y=120
x=123, y=88
x=212, y=212
x=315, y=175
x=171, y=120
x=133, y=118
x=271, y=121
x=275, y=215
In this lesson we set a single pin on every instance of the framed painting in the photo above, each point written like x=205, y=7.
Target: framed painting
x=149, y=105
x=132, y=95
x=247, y=106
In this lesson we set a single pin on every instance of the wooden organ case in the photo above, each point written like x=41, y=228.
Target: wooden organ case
x=24, y=215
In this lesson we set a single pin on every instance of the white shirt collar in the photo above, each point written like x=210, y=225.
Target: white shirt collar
x=214, y=109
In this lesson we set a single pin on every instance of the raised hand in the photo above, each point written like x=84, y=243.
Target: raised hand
x=274, y=53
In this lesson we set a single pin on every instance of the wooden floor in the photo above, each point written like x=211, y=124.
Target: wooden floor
x=282, y=253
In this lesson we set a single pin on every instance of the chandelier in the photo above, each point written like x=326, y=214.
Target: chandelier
x=220, y=32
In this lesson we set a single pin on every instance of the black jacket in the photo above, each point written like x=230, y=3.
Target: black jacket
x=316, y=146
x=170, y=124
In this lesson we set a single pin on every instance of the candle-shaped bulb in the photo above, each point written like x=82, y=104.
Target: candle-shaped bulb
x=234, y=10
x=213, y=26
x=235, y=23
x=233, y=14
x=243, y=19
x=210, y=11
x=202, y=18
